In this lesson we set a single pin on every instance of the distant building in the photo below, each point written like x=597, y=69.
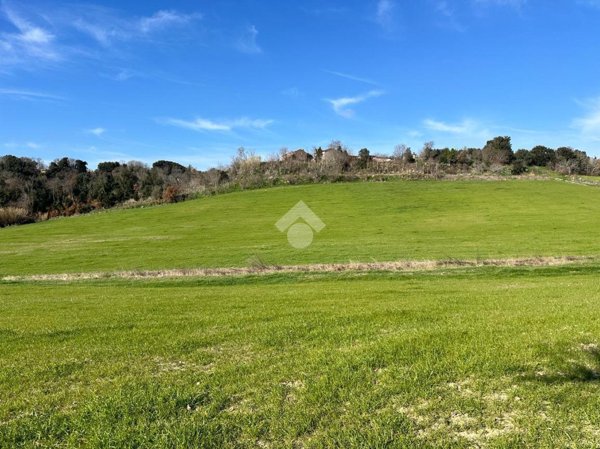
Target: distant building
x=299, y=155
x=381, y=159
x=335, y=155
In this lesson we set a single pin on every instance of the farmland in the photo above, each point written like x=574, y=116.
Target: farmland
x=365, y=222
x=457, y=357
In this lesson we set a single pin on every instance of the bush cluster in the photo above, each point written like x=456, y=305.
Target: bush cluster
x=30, y=190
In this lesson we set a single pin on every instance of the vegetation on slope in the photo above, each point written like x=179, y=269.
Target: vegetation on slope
x=31, y=191
x=364, y=222
x=480, y=357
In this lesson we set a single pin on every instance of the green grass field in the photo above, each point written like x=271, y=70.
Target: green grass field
x=475, y=358
x=364, y=222
x=450, y=358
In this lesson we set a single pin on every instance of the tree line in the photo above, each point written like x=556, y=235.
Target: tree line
x=31, y=190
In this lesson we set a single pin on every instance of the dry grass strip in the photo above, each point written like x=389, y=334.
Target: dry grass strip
x=396, y=266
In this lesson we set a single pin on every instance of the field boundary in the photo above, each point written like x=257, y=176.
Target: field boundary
x=393, y=266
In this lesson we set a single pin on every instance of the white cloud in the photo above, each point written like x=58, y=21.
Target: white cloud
x=29, y=145
x=292, y=92
x=467, y=129
x=201, y=124
x=30, y=43
x=42, y=36
x=384, y=13
x=245, y=122
x=248, y=42
x=96, y=131
x=464, y=127
x=105, y=26
x=102, y=35
x=38, y=34
x=28, y=32
x=29, y=94
x=124, y=75
x=351, y=77
x=447, y=13
x=340, y=105
x=163, y=19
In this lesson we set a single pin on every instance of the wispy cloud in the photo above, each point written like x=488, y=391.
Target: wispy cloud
x=384, y=13
x=454, y=128
x=448, y=16
x=28, y=145
x=43, y=36
x=106, y=26
x=124, y=75
x=163, y=19
x=248, y=43
x=96, y=131
x=467, y=128
x=292, y=92
x=98, y=32
x=29, y=94
x=201, y=124
x=341, y=105
x=589, y=124
x=29, y=41
x=352, y=77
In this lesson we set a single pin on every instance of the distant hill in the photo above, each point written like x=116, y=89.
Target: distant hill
x=363, y=222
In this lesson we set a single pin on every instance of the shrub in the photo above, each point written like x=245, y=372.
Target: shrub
x=518, y=167
x=170, y=194
x=363, y=158
x=13, y=216
x=498, y=151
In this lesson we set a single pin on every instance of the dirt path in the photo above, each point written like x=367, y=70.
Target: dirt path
x=397, y=266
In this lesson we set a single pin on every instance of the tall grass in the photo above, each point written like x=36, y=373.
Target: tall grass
x=13, y=216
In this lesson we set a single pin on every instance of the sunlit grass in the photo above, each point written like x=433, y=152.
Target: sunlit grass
x=364, y=222
x=478, y=357
x=452, y=357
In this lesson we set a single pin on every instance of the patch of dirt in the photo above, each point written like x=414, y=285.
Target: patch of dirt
x=395, y=266
x=169, y=366
x=495, y=416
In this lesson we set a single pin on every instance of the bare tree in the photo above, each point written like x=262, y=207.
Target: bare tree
x=426, y=150
x=399, y=151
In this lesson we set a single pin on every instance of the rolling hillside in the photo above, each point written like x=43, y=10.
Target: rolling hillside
x=495, y=357
x=364, y=222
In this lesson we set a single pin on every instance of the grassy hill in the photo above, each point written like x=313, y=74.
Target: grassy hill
x=488, y=357
x=364, y=222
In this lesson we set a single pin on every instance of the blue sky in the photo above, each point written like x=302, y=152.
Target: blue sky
x=192, y=81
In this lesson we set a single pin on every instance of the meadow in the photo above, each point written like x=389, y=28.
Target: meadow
x=494, y=357
x=364, y=222
x=468, y=358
